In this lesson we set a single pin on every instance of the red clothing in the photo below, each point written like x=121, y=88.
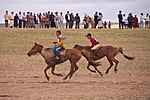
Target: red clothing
x=94, y=42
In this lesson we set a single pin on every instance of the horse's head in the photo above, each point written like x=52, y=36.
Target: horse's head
x=78, y=47
x=82, y=47
x=35, y=49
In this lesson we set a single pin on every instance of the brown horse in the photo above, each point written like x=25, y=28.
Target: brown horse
x=109, y=51
x=73, y=55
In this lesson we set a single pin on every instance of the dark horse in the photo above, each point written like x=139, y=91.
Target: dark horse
x=109, y=51
x=73, y=55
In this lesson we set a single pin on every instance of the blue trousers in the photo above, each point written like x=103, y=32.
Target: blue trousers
x=57, y=49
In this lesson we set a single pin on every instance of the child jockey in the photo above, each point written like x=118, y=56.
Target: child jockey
x=95, y=44
x=59, y=45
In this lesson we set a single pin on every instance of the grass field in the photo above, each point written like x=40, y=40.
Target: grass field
x=22, y=77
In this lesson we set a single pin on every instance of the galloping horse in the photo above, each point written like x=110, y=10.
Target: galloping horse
x=109, y=51
x=73, y=55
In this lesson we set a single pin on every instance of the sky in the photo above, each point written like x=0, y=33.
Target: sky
x=109, y=8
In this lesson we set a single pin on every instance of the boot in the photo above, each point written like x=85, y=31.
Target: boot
x=94, y=54
x=57, y=56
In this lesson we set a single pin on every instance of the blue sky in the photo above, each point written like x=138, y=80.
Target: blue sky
x=109, y=8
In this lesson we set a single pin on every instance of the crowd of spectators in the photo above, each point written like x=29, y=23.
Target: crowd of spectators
x=54, y=20
x=69, y=20
x=131, y=21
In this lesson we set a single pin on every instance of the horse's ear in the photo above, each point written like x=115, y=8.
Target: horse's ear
x=35, y=43
x=75, y=45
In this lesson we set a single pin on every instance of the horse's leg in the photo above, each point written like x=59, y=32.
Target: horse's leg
x=88, y=67
x=98, y=71
x=52, y=71
x=116, y=61
x=111, y=64
x=45, y=70
x=71, y=71
x=76, y=68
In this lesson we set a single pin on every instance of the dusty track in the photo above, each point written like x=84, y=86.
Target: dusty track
x=22, y=79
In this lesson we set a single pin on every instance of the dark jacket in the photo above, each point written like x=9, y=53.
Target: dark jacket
x=120, y=17
x=66, y=17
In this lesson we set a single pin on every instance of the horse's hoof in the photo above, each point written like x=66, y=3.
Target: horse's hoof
x=106, y=72
x=64, y=78
x=48, y=78
x=93, y=71
x=115, y=70
x=60, y=75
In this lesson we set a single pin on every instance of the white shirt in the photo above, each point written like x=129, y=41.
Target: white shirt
x=147, y=18
x=68, y=16
x=20, y=17
x=141, y=18
x=6, y=16
x=61, y=18
x=11, y=17
x=124, y=19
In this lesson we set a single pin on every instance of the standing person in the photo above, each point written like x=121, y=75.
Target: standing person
x=59, y=45
x=100, y=22
x=105, y=24
x=95, y=19
x=16, y=18
x=44, y=16
x=120, y=20
x=11, y=18
x=77, y=20
x=147, y=20
x=47, y=21
x=94, y=44
x=6, y=16
x=57, y=20
x=135, y=22
x=24, y=20
x=141, y=21
x=32, y=24
x=28, y=20
x=52, y=20
x=123, y=20
x=109, y=24
x=85, y=22
x=41, y=20
x=67, y=17
x=20, y=20
x=71, y=20
x=35, y=20
x=61, y=20
x=49, y=15
x=130, y=20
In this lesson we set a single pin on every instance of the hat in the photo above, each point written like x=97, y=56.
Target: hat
x=88, y=35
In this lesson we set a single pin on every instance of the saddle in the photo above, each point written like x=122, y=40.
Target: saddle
x=62, y=52
x=60, y=55
x=94, y=52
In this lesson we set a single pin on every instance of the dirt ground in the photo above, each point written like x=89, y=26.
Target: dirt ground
x=22, y=78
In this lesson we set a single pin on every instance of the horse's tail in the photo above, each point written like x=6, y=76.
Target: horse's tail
x=93, y=63
x=127, y=57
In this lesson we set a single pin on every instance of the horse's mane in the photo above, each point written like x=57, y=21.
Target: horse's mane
x=82, y=47
x=48, y=49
